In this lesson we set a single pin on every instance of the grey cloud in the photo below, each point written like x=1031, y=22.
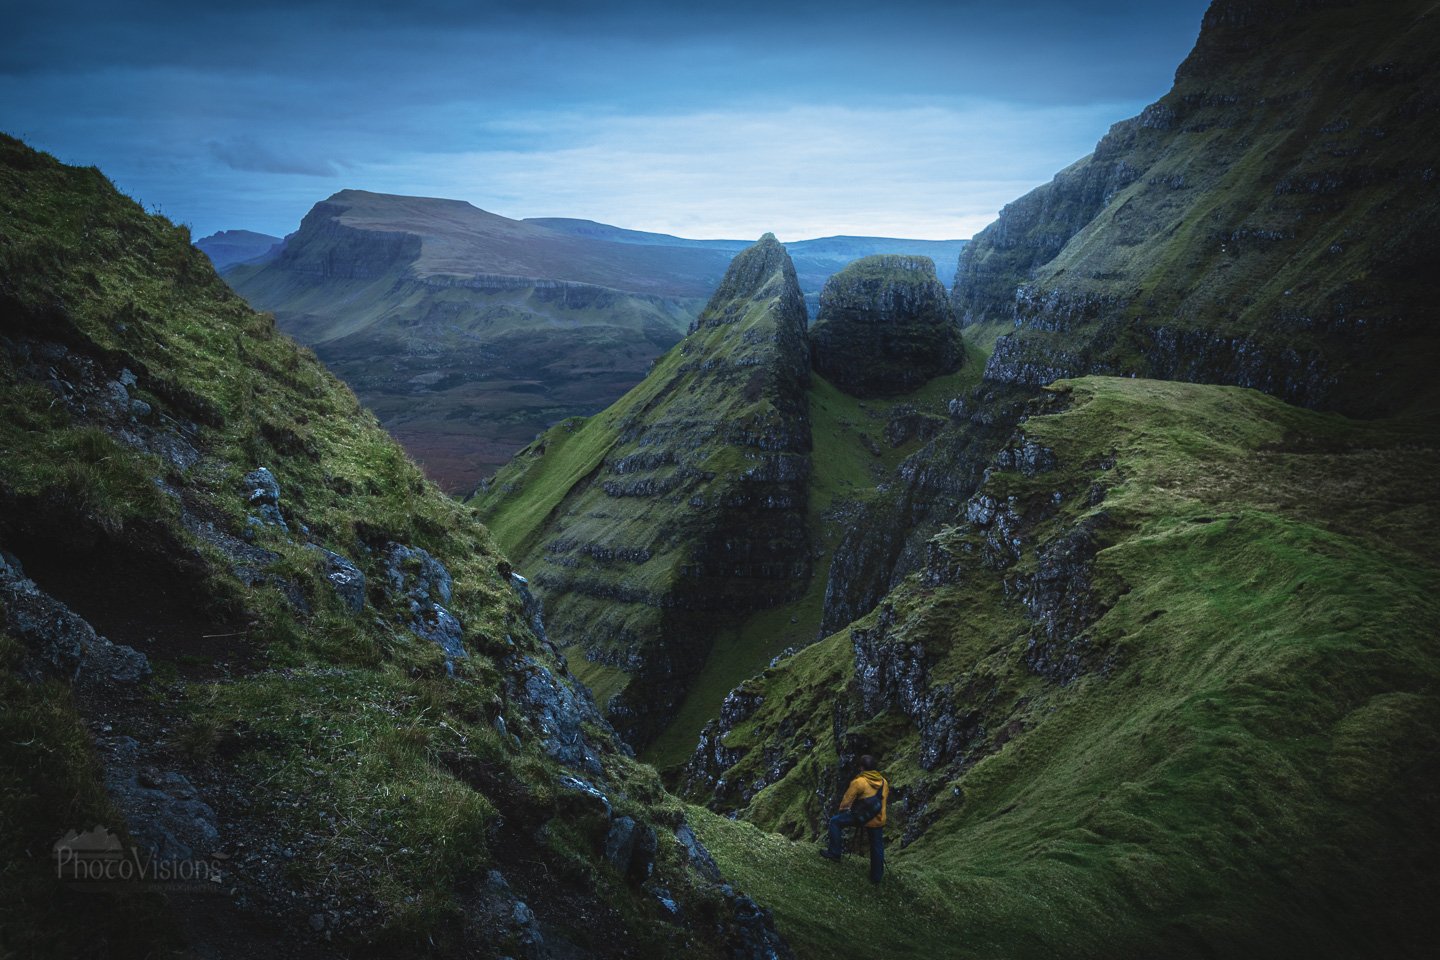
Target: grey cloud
x=244, y=153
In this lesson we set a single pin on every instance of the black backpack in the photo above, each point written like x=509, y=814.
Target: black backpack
x=869, y=808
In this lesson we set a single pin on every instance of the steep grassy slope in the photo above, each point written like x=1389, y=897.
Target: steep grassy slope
x=319, y=680
x=1169, y=686
x=681, y=505
x=858, y=446
x=1269, y=223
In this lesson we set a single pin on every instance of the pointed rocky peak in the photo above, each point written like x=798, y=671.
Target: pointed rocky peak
x=885, y=327
x=762, y=271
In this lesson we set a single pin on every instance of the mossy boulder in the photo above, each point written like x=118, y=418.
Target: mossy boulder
x=885, y=327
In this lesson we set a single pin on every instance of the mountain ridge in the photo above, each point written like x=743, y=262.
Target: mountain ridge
x=680, y=505
x=1265, y=223
x=468, y=332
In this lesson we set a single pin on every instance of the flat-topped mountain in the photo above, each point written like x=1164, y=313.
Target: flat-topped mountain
x=229, y=247
x=468, y=332
x=452, y=238
x=885, y=327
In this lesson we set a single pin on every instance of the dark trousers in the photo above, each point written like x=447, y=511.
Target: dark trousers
x=844, y=820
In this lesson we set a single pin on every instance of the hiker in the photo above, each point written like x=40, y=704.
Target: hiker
x=864, y=805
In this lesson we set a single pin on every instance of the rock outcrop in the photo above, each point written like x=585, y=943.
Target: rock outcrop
x=689, y=505
x=1124, y=613
x=1265, y=224
x=885, y=327
x=280, y=682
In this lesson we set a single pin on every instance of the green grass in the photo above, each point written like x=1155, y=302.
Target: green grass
x=370, y=756
x=1248, y=777
x=622, y=574
x=545, y=472
x=1318, y=162
x=345, y=732
x=843, y=469
x=52, y=784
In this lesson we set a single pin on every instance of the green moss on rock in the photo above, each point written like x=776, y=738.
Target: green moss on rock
x=885, y=327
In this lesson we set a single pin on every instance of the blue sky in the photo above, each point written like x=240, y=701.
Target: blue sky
x=808, y=119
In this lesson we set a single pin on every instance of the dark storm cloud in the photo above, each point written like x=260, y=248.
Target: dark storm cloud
x=890, y=48
x=840, y=116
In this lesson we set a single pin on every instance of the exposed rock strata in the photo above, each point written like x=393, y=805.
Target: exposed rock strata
x=1268, y=223
x=696, y=510
x=885, y=327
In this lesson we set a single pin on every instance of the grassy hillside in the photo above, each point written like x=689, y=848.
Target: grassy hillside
x=1212, y=733
x=1268, y=223
x=679, y=508
x=320, y=681
x=466, y=332
x=853, y=462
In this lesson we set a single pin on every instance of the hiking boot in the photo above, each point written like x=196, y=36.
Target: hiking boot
x=830, y=856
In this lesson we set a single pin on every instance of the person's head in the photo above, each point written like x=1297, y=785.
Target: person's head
x=867, y=762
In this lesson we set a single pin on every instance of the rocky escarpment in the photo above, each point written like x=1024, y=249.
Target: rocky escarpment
x=1215, y=238
x=242, y=638
x=1265, y=224
x=1121, y=617
x=886, y=537
x=895, y=665
x=680, y=506
x=885, y=327
x=468, y=333
x=327, y=248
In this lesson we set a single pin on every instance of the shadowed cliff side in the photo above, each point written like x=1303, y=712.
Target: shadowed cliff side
x=680, y=506
x=1268, y=223
x=885, y=327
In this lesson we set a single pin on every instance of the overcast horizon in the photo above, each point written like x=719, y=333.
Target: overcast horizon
x=915, y=120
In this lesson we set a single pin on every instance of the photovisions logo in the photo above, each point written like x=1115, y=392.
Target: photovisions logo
x=96, y=859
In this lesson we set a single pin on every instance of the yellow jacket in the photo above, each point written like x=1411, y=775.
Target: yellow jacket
x=868, y=784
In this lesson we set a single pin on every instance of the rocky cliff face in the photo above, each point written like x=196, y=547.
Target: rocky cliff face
x=680, y=506
x=327, y=248
x=886, y=538
x=1111, y=613
x=1264, y=224
x=885, y=327
x=242, y=634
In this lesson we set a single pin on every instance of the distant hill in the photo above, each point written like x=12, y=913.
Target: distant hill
x=815, y=260
x=237, y=246
x=468, y=332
